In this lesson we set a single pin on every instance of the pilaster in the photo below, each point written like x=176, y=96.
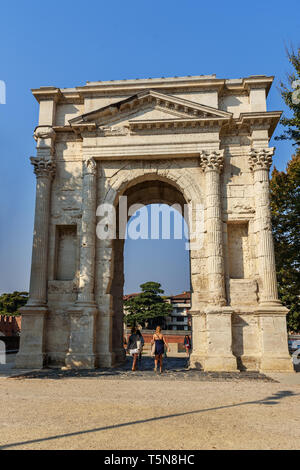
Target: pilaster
x=81, y=353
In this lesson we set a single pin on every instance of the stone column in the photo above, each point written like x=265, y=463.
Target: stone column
x=260, y=161
x=216, y=352
x=212, y=164
x=271, y=315
x=44, y=170
x=32, y=354
x=81, y=352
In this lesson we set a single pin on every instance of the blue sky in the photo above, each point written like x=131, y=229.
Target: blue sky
x=66, y=43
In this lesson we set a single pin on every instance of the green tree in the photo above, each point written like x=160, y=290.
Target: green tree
x=147, y=306
x=10, y=303
x=285, y=209
x=285, y=201
x=290, y=93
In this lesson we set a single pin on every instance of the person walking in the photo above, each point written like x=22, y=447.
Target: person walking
x=132, y=346
x=158, y=344
x=140, y=343
x=187, y=345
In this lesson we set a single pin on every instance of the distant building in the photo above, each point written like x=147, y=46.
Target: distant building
x=180, y=318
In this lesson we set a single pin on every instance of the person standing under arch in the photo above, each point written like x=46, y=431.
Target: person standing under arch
x=158, y=343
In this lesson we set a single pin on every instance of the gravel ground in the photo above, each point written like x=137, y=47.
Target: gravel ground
x=55, y=410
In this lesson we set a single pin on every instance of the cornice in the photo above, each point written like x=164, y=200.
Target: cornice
x=47, y=93
x=227, y=126
x=267, y=119
x=175, y=123
x=168, y=84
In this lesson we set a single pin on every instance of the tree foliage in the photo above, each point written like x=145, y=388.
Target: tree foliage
x=290, y=93
x=147, y=306
x=285, y=209
x=10, y=303
x=285, y=202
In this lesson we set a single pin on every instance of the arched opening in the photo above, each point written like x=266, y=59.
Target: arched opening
x=159, y=232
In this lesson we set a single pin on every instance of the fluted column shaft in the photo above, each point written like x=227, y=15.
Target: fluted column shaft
x=212, y=164
x=260, y=161
x=88, y=233
x=44, y=170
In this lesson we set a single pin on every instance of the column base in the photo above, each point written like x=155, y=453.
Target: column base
x=119, y=356
x=82, y=336
x=213, y=363
x=32, y=341
x=274, y=355
x=248, y=363
x=30, y=361
x=80, y=361
x=106, y=360
x=276, y=364
x=196, y=361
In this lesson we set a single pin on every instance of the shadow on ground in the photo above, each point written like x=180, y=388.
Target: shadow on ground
x=175, y=368
x=273, y=399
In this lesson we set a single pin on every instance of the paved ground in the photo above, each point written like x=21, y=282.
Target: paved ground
x=177, y=410
x=174, y=369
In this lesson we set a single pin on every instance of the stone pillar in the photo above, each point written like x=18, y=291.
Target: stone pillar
x=212, y=164
x=81, y=352
x=270, y=313
x=32, y=353
x=44, y=170
x=260, y=161
x=213, y=352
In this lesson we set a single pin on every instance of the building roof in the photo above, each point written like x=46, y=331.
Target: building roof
x=183, y=296
x=129, y=296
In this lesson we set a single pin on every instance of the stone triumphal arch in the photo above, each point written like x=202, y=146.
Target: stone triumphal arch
x=201, y=141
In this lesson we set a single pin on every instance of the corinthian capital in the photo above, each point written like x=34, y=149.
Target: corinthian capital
x=261, y=159
x=212, y=161
x=89, y=167
x=43, y=167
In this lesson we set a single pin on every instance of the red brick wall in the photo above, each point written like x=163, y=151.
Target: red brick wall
x=10, y=325
x=174, y=337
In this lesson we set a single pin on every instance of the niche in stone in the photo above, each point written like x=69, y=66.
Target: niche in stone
x=66, y=248
x=238, y=250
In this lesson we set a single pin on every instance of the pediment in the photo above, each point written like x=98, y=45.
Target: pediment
x=149, y=108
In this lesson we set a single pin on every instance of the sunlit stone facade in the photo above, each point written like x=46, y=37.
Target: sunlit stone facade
x=201, y=141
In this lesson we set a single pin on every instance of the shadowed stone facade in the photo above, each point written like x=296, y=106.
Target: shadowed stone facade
x=186, y=140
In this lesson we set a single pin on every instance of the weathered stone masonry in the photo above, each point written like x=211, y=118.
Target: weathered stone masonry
x=198, y=140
